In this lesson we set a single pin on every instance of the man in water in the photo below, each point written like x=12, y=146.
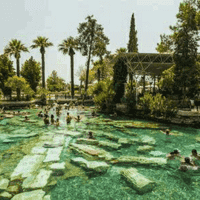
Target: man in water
x=52, y=119
x=68, y=118
x=57, y=122
x=46, y=120
x=195, y=157
x=26, y=118
x=173, y=155
x=78, y=119
x=90, y=135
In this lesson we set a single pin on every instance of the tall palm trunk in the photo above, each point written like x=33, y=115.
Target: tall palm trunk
x=43, y=71
x=18, y=89
x=72, y=75
x=87, y=71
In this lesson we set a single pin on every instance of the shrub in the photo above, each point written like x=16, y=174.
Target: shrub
x=103, y=92
x=158, y=105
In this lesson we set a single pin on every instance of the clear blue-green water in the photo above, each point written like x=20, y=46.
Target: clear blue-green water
x=170, y=182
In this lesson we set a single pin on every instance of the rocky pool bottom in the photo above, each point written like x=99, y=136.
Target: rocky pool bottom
x=98, y=169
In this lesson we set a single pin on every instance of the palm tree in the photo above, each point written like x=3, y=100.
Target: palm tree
x=15, y=47
x=42, y=43
x=68, y=46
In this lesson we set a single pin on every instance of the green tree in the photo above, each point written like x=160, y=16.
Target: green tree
x=68, y=46
x=6, y=70
x=90, y=33
x=42, y=43
x=166, y=82
x=185, y=53
x=55, y=83
x=119, y=79
x=15, y=47
x=183, y=43
x=31, y=71
x=132, y=45
x=121, y=50
x=99, y=51
x=16, y=82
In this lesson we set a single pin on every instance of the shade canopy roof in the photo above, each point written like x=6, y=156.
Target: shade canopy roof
x=147, y=63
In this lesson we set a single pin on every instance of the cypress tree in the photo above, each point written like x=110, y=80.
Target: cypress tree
x=132, y=44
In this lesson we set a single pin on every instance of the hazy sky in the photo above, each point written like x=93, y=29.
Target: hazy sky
x=58, y=19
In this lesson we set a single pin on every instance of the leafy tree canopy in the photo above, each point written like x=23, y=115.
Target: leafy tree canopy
x=31, y=71
x=6, y=70
x=55, y=83
x=19, y=82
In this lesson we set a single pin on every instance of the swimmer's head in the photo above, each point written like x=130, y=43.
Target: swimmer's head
x=187, y=160
x=176, y=152
x=194, y=152
x=167, y=131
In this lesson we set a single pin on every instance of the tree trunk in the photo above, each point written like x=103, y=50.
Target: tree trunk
x=98, y=74
x=87, y=71
x=144, y=84
x=18, y=70
x=72, y=75
x=43, y=71
x=131, y=79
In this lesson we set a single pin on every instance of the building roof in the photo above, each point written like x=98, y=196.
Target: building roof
x=148, y=63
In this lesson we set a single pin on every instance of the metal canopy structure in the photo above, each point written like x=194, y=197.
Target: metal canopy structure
x=148, y=63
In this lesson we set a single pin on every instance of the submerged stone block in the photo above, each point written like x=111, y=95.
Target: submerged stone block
x=38, y=181
x=87, y=141
x=27, y=165
x=67, y=141
x=109, y=144
x=5, y=195
x=33, y=195
x=94, y=165
x=128, y=140
x=139, y=182
x=73, y=133
x=4, y=184
x=38, y=150
x=58, y=166
x=147, y=140
x=145, y=148
x=53, y=154
x=140, y=160
x=93, y=151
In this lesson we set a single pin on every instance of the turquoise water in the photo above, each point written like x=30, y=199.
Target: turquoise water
x=170, y=183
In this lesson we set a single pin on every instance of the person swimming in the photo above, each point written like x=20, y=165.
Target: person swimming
x=57, y=122
x=93, y=113
x=90, y=135
x=195, y=157
x=68, y=118
x=52, y=119
x=78, y=119
x=173, y=155
x=46, y=120
x=39, y=114
x=26, y=118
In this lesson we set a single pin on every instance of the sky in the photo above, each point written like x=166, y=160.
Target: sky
x=25, y=20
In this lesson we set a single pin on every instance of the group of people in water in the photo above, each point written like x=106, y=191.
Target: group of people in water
x=186, y=163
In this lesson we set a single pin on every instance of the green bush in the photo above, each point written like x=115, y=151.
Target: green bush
x=103, y=92
x=158, y=105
